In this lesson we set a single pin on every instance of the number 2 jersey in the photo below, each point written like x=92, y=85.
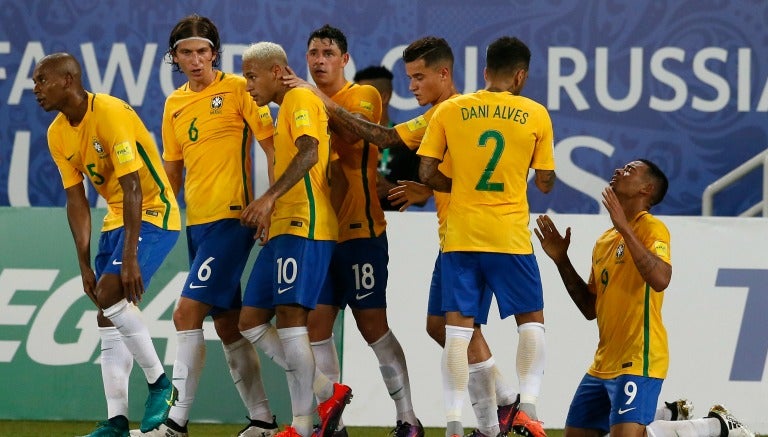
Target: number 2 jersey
x=494, y=138
x=110, y=142
x=212, y=130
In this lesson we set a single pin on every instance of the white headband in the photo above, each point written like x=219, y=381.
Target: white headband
x=193, y=38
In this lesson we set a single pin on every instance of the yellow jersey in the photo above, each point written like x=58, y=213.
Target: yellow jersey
x=633, y=339
x=494, y=138
x=212, y=131
x=304, y=210
x=360, y=215
x=412, y=132
x=110, y=142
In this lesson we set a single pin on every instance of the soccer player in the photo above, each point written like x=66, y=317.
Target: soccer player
x=429, y=65
x=101, y=137
x=395, y=163
x=297, y=220
x=493, y=136
x=358, y=274
x=631, y=267
x=209, y=124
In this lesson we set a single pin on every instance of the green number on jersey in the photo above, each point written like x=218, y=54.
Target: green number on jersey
x=192, y=130
x=95, y=177
x=483, y=184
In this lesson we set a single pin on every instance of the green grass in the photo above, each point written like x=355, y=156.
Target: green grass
x=22, y=428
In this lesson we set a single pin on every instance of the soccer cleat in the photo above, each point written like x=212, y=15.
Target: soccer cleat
x=167, y=429
x=259, y=428
x=289, y=431
x=341, y=432
x=507, y=414
x=331, y=409
x=729, y=426
x=682, y=409
x=527, y=427
x=162, y=396
x=405, y=429
x=114, y=427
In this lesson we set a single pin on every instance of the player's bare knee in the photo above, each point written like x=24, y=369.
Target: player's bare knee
x=436, y=332
x=228, y=331
x=532, y=317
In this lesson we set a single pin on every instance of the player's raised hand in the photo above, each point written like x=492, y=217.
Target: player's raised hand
x=293, y=81
x=612, y=204
x=553, y=243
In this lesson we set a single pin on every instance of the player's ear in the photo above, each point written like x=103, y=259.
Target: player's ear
x=68, y=80
x=444, y=72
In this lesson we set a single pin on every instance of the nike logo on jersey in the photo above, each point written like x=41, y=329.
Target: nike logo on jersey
x=359, y=296
x=283, y=290
x=116, y=262
x=176, y=114
x=70, y=156
x=197, y=286
x=622, y=411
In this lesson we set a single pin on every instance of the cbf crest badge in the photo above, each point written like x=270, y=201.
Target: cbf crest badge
x=98, y=147
x=620, y=253
x=216, y=103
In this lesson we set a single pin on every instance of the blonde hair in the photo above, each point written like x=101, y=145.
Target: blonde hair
x=266, y=53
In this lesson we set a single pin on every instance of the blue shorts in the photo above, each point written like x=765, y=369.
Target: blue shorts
x=468, y=276
x=358, y=274
x=218, y=252
x=154, y=245
x=602, y=403
x=289, y=270
x=435, y=302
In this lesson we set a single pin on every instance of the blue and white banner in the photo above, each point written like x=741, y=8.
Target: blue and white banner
x=682, y=83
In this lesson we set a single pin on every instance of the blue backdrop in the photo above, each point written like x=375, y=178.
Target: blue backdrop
x=680, y=82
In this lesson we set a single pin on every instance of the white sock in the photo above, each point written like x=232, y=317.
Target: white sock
x=300, y=369
x=266, y=339
x=127, y=319
x=685, y=428
x=190, y=360
x=530, y=365
x=327, y=362
x=322, y=386
x=482, y=395
x=455, y=365
x=327, y=358
x=116, y=365
x=505, y=392
x=394, y=371
x=245, y=368
x=303, y=425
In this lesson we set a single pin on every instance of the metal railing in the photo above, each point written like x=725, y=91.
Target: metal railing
x=761, y=159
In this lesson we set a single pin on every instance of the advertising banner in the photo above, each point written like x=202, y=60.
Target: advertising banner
x=680, y=83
